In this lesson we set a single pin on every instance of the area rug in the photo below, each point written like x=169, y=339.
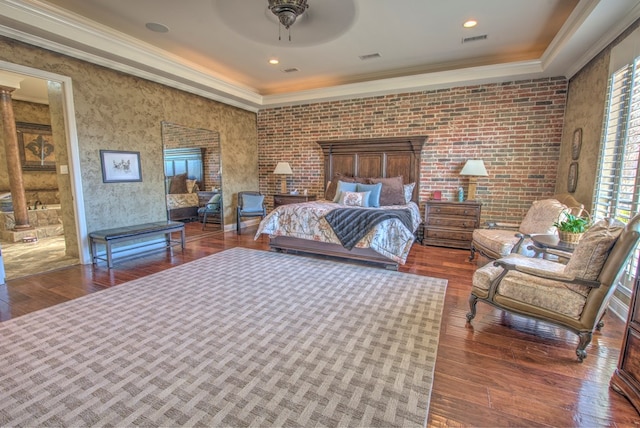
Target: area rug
x=240, y=338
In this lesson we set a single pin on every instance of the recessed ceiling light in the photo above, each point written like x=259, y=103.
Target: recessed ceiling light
x=274, y=61
x=157, y=28
x=470, y=23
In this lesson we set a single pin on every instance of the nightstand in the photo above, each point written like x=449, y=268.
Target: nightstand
x=451, y=224
x=284, y=199
x=626, y=378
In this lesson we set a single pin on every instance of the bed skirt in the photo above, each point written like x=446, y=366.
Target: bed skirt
x=286, y=243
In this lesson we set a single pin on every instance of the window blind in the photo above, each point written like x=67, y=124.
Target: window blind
x=618, y=187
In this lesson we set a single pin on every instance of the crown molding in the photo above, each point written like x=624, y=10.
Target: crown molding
x=49, y=27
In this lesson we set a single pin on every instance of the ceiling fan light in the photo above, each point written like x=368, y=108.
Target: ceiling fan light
x=287, y=11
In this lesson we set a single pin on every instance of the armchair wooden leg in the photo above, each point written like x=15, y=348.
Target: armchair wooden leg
x=585, y=339
x=473, y=299
x=204, y=221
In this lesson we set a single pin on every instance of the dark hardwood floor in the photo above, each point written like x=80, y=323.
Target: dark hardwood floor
x=503, y=370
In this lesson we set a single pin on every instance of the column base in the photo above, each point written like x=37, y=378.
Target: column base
x=21, y=227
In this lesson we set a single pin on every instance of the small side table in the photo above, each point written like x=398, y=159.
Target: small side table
x=288, y=198
x=553, y=242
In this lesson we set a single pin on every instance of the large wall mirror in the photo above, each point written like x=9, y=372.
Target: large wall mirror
x=193, y=175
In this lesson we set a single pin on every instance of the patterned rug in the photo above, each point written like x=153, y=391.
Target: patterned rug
x=240, y=338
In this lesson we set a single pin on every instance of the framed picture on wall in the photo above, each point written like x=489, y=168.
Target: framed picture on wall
x=576, y=144
x=572, y=179
x=35, y=143
x=119, y=166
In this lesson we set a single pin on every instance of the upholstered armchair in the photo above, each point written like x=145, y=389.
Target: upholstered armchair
x=500, y=239
x=212, y=212
x=250, y=204
x=573, y=296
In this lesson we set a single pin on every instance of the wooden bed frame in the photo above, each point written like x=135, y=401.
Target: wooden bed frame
x=377, y=157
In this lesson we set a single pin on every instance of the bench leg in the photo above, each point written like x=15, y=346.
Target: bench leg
x=182, y=239
x=109, y=255
x=94, y=251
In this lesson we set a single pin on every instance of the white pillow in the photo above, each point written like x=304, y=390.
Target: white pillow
x=344, y=186
x=191, y=186
x=354, y=199
x=408, y=192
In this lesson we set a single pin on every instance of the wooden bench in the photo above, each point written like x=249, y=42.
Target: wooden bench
x=109, y=237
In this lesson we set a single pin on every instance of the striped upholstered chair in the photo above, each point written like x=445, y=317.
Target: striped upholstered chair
x=573, y=295
x=501, y=239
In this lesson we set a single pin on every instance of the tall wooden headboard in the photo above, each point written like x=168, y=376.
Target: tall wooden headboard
x=375, y=157
x=185, y=160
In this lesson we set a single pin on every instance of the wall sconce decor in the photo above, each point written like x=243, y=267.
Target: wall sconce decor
x=576, y=144
x=283, y=169
x=474, y=168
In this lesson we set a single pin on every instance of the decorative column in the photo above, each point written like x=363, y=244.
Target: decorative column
x=14, y=167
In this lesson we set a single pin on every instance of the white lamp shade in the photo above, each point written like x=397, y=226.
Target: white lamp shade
x=474, y=167
x=283, y=168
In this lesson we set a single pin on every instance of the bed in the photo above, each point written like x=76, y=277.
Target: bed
x=184, y=174
x=303, y=227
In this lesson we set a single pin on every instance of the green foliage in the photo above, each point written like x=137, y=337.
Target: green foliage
x=573, y=224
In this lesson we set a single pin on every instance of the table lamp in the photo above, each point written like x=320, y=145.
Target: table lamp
x=473, y=168
x=283, y=169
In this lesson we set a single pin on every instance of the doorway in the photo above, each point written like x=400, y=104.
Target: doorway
x=49, y=247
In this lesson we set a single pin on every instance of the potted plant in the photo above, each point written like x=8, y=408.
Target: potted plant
x=571, y=228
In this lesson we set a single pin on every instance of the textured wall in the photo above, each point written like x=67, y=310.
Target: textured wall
x=117, y=111
x=515, y=128
x=56, y=104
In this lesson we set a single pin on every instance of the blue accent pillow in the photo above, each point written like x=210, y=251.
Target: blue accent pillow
x=215, y=199
x=375, y=189
x=252, y=203
x=343, y=186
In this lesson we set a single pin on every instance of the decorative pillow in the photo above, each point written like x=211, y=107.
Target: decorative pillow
x=541, y=216
x=354, y=199
x=178, y=183
x=592, y=250
x=330, y=193
x=392, y=190
x=330, y=185
x=252, y=203
x=408, y=192
x=191, y=185
x=374, y=197
x=215, y=199
x=344, y=186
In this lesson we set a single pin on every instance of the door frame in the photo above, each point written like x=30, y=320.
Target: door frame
x=71, y=135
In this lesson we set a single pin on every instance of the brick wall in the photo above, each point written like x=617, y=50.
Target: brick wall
x=515, y=127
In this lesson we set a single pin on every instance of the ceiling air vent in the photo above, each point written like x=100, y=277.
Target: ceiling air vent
x=370, y=56
x=474, y=38
x=290, y=70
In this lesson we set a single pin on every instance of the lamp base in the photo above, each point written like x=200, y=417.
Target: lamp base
x=283, y=186
x=473, y=184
